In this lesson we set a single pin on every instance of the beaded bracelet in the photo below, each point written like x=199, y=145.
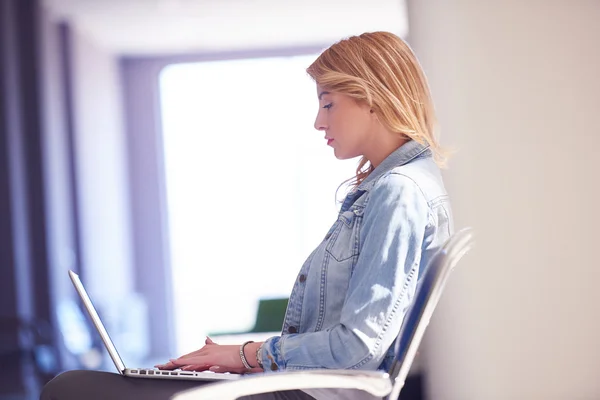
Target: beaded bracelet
x=259, y=356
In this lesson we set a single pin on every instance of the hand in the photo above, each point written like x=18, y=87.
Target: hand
x=211, y=357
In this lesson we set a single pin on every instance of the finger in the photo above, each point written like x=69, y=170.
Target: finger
x=181, y=362
x=166, y=366
x=221, y=369
x=170, y=365
x=196, y=367
x=198, y=358
x=209, y=341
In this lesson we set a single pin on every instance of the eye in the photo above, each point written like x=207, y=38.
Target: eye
x=328, y=106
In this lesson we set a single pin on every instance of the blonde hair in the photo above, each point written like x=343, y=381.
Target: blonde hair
x=380, y=69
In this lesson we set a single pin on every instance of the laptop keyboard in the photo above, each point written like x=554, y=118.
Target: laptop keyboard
x=149, y=371
x=154, y=371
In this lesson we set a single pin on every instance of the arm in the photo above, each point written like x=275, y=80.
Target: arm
x=380, y=290
x=216, y=358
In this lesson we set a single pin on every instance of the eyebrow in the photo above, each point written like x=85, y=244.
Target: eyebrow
x=322, y=94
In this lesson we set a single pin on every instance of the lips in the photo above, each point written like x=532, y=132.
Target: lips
x=329, y=140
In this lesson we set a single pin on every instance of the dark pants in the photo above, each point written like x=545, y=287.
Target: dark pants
x=97, y=385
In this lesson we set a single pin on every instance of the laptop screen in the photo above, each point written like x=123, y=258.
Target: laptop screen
x=87, y=302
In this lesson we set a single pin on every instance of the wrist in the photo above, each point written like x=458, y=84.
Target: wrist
x=250, y=351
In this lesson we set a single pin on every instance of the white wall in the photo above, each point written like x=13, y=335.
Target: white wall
x=159, y=27
x=101, y=169
x=517, y=87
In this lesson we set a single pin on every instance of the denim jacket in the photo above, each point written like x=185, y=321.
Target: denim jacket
x=351, y=294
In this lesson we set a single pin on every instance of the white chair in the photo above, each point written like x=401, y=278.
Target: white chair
x=386, y=386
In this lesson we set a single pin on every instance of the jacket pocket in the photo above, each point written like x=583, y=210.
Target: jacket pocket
x=343, y=238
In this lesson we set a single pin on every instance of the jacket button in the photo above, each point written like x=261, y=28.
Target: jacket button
x=292, y=329
x=302, y=278
x=274, y=367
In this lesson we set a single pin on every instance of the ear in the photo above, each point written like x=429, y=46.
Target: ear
x=374, y=117
x=373, y=114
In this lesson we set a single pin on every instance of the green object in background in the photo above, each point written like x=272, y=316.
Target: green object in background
x=269, y=317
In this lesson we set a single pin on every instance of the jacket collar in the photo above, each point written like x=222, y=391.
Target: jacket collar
x=402, y=155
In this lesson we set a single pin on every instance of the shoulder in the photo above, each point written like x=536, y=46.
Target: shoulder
x=422, y=175
x=417, y=184
x=396, y=194
x=394, y=183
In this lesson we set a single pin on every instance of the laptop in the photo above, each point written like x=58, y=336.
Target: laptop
x=148, y=373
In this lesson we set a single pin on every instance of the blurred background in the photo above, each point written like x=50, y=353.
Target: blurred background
x=164, y=150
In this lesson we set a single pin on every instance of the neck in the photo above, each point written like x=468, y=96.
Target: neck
x=382, y=146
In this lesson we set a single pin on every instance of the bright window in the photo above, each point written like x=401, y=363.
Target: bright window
x=250, y=187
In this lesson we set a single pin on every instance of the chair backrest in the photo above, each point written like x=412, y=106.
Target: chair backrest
x=427, y=295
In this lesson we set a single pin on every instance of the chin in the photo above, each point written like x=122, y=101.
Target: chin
x=344, y=156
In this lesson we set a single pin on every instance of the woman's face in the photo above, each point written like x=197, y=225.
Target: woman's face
x=347, y=124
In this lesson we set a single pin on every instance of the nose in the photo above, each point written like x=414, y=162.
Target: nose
x=320, y=122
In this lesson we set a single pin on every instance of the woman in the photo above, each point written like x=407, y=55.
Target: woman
x=349, y=300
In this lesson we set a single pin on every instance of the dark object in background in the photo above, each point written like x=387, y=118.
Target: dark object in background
x=413, y=388
x=36, y=347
